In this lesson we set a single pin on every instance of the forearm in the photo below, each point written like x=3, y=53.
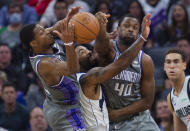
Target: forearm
x=72, y=60
x=135, y=107
x=102, y=41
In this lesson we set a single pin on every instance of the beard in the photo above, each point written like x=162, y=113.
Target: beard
x=87, y=64
x=127, y=40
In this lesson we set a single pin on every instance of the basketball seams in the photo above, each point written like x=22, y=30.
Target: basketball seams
x=97, y=25
x=84, y=26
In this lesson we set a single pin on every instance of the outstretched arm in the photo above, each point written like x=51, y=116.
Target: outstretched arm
x=52, y=69
x=101, y=74
x=98, y=75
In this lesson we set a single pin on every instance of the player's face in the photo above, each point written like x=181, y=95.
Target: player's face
x=87, y=58
x=174, y=66
x=128, y=30
x=43, y=37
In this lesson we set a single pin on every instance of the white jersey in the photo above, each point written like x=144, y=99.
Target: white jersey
x=95, y=112
x=181, y=103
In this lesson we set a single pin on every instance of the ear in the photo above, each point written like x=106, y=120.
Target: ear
x=33, y=43
x=184, y=66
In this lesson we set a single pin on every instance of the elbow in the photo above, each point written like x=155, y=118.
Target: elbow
x=74, y=69
x=148, y=103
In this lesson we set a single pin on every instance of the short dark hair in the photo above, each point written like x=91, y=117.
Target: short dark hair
x=59, y=1
x=4, y=44
x=27, y=35
x=183, y=38
x=13, y=5
x=177, y=51
x=123, y=17
x=8, y=84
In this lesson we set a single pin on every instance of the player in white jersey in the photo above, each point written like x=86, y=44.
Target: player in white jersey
x=91, y=92
x=179, y=98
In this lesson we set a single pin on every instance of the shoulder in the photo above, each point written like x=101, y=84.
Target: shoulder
x=147, y=62
x=146, y=58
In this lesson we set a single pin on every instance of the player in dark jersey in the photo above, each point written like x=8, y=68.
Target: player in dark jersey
x=131, y=93
x=91, y=93
x=56, y=70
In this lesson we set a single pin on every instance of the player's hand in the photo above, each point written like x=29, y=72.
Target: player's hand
x=70, y=14
x=66, y=32
x=102, y=18
x=146, y=26
x=113, y=35
x=112, y=114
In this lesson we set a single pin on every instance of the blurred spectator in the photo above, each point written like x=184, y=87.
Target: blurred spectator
x=118, y=8
x=60, y=11
x=13, y=116
x=35, y=96
x=135, y=8
x=179, y=27
x=39, y=5
x=29, y=15
x=184, y=45
x=14, y=74
x=37, y=120
x=103, y=6
x=74, y=3
x=3, y=79
x=186, y=3
x=167, y=88
x=158, y=10
x=163, y=115
x=49, y=14
x=4, y=2
x=10, y=34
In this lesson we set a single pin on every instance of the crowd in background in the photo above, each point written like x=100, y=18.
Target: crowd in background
x=21, y=92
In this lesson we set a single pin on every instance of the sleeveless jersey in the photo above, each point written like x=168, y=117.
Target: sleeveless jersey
x=94, y=111
x=124, y=88
x=65, y=93
x=181, y=103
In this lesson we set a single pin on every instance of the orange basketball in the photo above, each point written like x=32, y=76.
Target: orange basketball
x=86, y=27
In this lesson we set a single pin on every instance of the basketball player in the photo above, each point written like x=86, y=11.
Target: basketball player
x=91, y=96
x=179, y=98
x=131, y=93
x=56, y=71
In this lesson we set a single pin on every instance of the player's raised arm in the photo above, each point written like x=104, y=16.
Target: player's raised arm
x=100, y=74
x=102, y=45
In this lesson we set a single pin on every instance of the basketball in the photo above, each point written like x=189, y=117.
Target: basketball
x=86, y=27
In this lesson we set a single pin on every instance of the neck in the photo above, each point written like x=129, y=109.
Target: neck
x=180, y=24
x=4, y=65
x=165, y=123
x=9, y=107
x=44, y=51
x=14, y=27
x=122, y=45
x=178, y=84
